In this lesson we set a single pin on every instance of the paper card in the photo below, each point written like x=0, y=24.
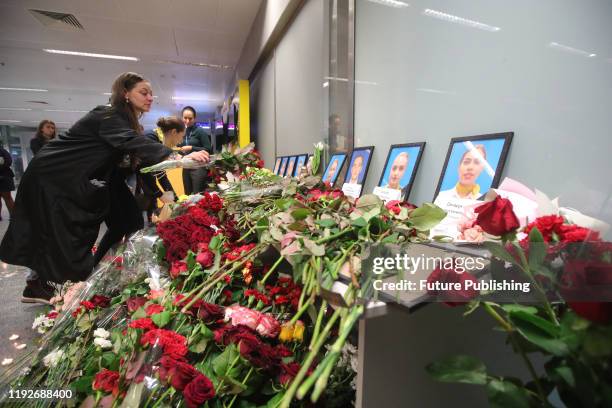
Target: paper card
x=455, y=209
x=387, y=194
x=351, y=190
x=513, y=186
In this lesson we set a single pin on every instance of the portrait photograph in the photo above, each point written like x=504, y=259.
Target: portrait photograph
x=333, y=168
x=358, y=166
x=283, y=166
x=401, y=167
x=277, y=165
x=473, y=165
x=290, y=166
x=301, y=161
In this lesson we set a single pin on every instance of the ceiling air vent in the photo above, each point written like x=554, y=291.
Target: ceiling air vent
x=53, y=19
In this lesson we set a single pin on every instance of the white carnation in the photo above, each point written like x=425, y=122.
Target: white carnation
x=103, y=343
x=100, y=332
x=42, y=323
x=51, y=359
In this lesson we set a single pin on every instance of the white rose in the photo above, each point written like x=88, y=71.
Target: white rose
x=103, y=343
x=100, y=332
x=53, y=358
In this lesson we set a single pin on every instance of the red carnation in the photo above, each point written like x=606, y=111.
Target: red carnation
x=52, y=314
x=177, y=268
x=198, y=391
x=106, y=380
x=497, y=217
x=575, y=233
x=88, y=305
x=144, y=323
x=547, y=225
x=154, y=309
x=173, y=344
x=288, y=372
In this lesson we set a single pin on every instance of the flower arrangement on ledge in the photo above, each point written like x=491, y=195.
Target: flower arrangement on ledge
x=569, y=321
x=227, y=308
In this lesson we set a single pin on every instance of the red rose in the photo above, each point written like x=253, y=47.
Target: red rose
x=208, y=312
x=177, y=373
x=497, y=217
x=144, y=323
x=584, y=282
x=288, y=372
x=134, y=303
x=205, y=258
x=283, y=351
x=452, y=297
x=177, y=268
x=106, y=380
x=198, y=391
x=394, y=206
x=100, y=301
x=154, y=309
x=87, y=305
x=258, y=353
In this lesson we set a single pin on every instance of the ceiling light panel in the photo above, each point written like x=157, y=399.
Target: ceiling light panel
x=90, y=54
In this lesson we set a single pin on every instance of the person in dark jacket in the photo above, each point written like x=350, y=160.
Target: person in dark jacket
x=170, y=131
x=7, y=180
x=45, y=133
x=194, y=180
x=74, y=184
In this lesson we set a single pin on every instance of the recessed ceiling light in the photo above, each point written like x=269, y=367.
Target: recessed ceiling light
x=459, y=20
x=64, y=110
x=24, y=89
x=16, y=109
x=10, y=120
x=91, y=54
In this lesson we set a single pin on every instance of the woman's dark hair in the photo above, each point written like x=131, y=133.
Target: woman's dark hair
x=41, y=125
x=190, y=108
x=168, y=123
x=126, y=82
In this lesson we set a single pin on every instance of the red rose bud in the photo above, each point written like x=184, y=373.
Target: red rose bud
x=198, y=391
x=106, y=381
x=205, y=258
x=442, y=283
x=497, y=217
x=134, y=303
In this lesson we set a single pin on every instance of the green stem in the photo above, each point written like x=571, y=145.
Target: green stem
x=162, y=397
x=300, y=312
x=502, y=322
x=317, y=328
x=265, y=278
x=288, y=397
x=332, y=237
x=243, y=383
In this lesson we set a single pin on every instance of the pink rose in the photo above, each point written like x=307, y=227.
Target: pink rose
x=472, y=234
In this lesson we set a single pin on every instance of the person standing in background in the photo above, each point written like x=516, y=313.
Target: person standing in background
x=194, y=180
x=7, y=180
x=45, y=133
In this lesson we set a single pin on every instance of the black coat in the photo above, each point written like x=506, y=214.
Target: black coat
x=37, y=143
x=149, y=180
x=67, y=191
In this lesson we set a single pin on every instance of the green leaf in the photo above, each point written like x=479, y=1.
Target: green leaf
x=540, y=332
x=500, y=252
x=231, y=386
x=460, y=369
x=537, y=249
x=391, y=239
x=519, y=308
x=283, y=204
x=139, y=313
x=426, y=217
x=223, y=361
x=374, y=212
x=199, y=346
x=275, y=401
x=316, y=250
x=206, y=332
x=368, y=202
x=161, y=319
x=83, y=384
x=327, y=223
x=300, y=213
x=567, y=375
x=504, y=394
x=110, y=360
x=215, y=242
x=359, y=222
x=190, y=260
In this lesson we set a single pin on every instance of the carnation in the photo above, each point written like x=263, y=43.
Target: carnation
x=103, y=343
x=51, y=359
x=100, y=332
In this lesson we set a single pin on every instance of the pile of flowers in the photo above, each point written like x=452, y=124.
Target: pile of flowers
x=224, y=310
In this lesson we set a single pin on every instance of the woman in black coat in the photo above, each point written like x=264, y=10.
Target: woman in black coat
x=7, y=180
x=45, y=133
x=74, y=184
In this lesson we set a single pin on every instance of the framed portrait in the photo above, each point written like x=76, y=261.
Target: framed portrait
x=290, y=166
x=473, y=165
x=399, y=171
x=301, y=161
x=333, y=168
x=357, y=170
x=277, y=165
x=283, y=166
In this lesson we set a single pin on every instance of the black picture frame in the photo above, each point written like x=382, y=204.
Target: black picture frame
x=290, y=166
x=283, y=167
x=296, y=171
x=408, y=187
x=370, y=150
x=277, y=164
x=338, y=169
x=505, y=136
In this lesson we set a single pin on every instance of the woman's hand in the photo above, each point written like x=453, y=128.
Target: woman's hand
x=186, y=149
x=201, y=156
x=167, y=197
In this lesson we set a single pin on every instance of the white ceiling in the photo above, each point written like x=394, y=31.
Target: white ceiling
x=197, y=31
